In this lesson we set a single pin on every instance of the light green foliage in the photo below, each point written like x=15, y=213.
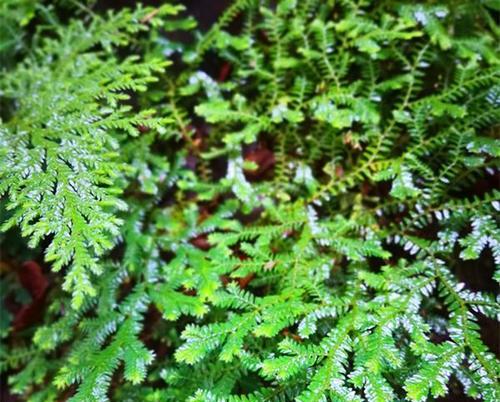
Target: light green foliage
x=61, y=163
x=190, y=270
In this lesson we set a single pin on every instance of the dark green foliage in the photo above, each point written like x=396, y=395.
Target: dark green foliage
x=302, y=227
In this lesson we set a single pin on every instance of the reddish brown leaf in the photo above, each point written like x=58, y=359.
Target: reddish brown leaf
x=34, y=281
x=243, y=282
x=224, y=71
x=201, y=242
x=295, y=337
x=263, y=158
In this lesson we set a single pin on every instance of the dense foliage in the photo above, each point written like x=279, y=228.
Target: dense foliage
x=298, y=204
